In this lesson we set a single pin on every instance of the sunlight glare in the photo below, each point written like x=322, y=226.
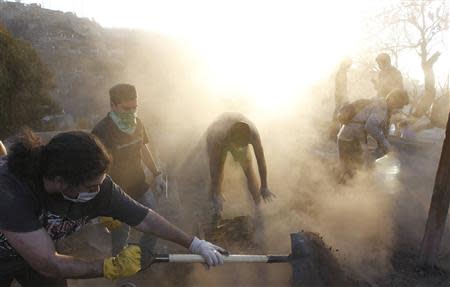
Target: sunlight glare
x=267, y=51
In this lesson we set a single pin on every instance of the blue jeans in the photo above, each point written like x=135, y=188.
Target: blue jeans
x=119, y=236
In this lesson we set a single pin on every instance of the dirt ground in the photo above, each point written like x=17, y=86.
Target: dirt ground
x=247, y=234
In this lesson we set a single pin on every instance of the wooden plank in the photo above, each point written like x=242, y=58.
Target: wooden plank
x=437, y=215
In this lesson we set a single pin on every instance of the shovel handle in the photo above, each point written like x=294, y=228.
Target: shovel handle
x=192, y=258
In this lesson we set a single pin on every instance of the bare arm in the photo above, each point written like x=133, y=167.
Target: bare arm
x=375, y=81
x=38, y=250
x=398, y=80
x=159, y=226
x=259, y=154
x=149, y=160
x=216, y=166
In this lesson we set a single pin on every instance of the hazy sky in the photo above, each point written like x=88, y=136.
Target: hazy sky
x=248, y=42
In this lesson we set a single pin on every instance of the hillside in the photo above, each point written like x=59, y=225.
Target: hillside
x=87, y=59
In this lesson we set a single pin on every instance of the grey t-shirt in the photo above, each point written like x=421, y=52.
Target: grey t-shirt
x=371, y=120
x=26, y=207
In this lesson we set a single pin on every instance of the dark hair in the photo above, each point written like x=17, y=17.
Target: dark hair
x=74, y=156
x=383, y=57
x=24, y=155
x=122, y=93
x=239, y=133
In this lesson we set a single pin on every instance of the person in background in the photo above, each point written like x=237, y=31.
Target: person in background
x=389, y=77
x=370, y=120
x=340, y=86
x=340, y=95
x=233, y=133
x=126, y=139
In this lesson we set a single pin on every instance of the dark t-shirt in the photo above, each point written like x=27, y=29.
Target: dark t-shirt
x=389, y=79
x=27, y=207
x=126, y=170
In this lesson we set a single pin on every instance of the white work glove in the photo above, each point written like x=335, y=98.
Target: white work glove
x=210, y=252
x=160, y=185
x=266, y=194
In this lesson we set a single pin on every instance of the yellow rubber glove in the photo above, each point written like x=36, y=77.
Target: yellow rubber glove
x=127, y=263
x=110, y=223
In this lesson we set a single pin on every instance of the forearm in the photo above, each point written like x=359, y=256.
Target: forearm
x=159, y=226
x=149, y=160
x=38, y=250
x=263, y=174
x=259, y=154
x=382, y=142
x=63, y=266
x=216, y=183
x=366, y=152
x=378, y=134
x=214, y=188
x=216, y=167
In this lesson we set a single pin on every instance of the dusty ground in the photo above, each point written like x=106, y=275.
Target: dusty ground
x=408, y=193
x=419, y=164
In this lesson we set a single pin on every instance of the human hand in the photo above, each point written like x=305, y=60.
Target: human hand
x=160, y=185
x=110, y=222
x=128, y=262
x=266, y=194
x=212, y=254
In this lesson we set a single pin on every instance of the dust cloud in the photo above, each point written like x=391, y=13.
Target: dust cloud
x=360, y=220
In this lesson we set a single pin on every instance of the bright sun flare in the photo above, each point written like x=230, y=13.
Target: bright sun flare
x=267, y=51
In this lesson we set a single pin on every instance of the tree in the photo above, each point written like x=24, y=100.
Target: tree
x=25, y=83
x=419, y=25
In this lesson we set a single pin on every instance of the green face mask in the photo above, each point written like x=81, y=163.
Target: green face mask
x=125, y=121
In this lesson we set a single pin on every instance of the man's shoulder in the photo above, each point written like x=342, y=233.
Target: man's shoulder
x=6, y=177
x=103, y=128
x=12, y=188
x=139, y=124
x=377, y=103
x=139, y=121
x=226, y=120
x=106, y=187
x=393, y=71
x=108, y=190
x=102, y=124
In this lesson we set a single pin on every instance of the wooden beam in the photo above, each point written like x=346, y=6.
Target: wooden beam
x=437, y=215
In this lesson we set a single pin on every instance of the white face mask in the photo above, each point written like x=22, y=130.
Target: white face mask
x=82, y=197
